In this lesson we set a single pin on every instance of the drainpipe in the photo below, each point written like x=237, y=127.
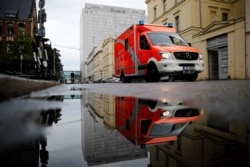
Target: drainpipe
x=200, y=14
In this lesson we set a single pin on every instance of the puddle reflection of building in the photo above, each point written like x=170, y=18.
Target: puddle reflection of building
x=102, y=142
x=210, y=141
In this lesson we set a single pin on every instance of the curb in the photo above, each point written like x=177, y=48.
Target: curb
x=11, y=86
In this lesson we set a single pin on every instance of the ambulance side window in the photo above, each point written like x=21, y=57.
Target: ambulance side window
x=126, y=44
x=144, y=43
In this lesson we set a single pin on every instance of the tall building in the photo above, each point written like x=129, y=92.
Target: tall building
x=99, y=22
x=102, y=143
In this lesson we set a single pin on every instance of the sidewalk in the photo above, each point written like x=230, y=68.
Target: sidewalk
x=11, y=86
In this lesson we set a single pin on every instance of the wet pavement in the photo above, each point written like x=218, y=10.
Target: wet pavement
x=140, y=124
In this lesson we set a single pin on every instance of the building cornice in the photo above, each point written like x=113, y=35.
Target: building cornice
x=218, y=25
x=227, y=1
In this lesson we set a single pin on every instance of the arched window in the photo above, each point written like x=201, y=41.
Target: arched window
x=10, y=29
x=21, y=28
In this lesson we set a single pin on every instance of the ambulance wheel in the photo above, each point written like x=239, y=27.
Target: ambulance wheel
x=125, y=79
x=190, y=77
x=152, y=74
x=171, y=78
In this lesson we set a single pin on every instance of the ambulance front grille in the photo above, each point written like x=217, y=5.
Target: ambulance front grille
x=187, y=112
x=186, y=55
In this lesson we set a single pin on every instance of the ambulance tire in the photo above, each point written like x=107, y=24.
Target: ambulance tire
x=124, y=79
x=152, y=74
x=190, y=77
x=171, y=78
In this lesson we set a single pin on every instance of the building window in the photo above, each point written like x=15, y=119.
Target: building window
x=213, y=16
x=10, y=29
x=0, y=29
x=1, y=47
x=177, y=23
x=164, y=5
x=21, y=28
x=179, y=143
x=9, y=48
x=155, y=13
x=157, y=155
x=224, y=17
x=177, y=1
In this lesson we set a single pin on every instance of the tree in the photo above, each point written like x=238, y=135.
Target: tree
x=20, y=56
x=54, y=61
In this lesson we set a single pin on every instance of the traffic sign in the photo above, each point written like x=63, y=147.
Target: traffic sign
x=41, y=4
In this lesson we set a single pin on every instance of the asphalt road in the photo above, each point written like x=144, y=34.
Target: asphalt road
x=225, y=96
x=227, y=99
x=214, y=96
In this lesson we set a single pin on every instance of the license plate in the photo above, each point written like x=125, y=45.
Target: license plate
x=188, y=68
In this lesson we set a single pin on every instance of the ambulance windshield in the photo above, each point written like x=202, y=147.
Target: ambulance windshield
x=160, y=130
x=165, y=38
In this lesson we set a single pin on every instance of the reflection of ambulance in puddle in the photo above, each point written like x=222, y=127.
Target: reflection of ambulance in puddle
x=151, y=122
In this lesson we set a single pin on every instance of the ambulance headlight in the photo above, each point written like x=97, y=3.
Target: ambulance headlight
x=200, y=57
x=166, y=114
x=165, y=55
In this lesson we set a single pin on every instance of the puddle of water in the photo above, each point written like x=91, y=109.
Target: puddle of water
x=91, y=129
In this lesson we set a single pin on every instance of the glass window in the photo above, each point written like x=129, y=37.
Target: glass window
x=224, y=16
x=163, y=38
x=21, y=27
x=164, y=5
x=9, y=48
x=167, y=129
x=0, y=29
x=126, y=44
x=10, y=29
x=0, y=47
x=177, y=23
x=144, y=43
x=155, y=13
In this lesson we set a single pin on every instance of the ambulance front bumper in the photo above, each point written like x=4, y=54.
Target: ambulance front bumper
x=180, y=67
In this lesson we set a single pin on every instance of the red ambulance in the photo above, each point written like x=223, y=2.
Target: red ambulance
x=152, y=51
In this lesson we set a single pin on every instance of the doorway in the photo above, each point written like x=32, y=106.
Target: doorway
x=218, y=63
x=213, y=65
x=218, y=57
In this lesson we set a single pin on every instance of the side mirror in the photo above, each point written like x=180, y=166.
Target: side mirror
x=189, y=44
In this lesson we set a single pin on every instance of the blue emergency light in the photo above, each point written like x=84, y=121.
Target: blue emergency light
x=170, y=25
x=141, y=22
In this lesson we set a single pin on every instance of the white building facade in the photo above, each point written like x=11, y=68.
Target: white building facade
x=99, y=22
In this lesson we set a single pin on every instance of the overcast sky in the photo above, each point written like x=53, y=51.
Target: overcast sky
x=63, y=25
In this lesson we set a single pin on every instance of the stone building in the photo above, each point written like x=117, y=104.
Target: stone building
x=100, y=62
x=108, y=58
x=215, y=27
